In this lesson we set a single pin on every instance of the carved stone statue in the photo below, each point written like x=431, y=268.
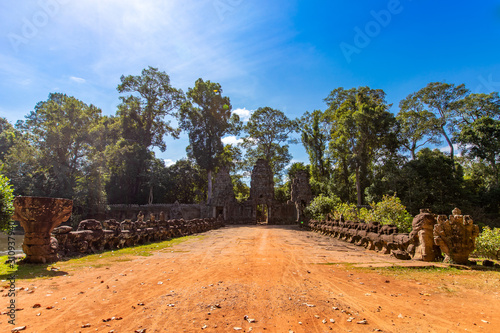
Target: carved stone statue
x=423, y=235
x=456, y=236
x=38, y=217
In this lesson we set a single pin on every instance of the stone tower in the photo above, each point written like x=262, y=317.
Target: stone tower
x=262, y=183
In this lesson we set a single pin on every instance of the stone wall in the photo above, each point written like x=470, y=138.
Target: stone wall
x=92, y=236
x=171, y=211
x=431, y=237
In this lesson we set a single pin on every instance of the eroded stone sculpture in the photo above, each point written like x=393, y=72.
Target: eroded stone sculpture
x=423, y=236
x=456, y=236
x=39, y=216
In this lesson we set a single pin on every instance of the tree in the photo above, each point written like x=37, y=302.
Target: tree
x=7, y=137
x=362, y=127
x=6, y=206
x=58, y=134
x=140, y=124
x=481, y=139
x=267, y=130
x=206, y=116
x=185, y=182
x=315, y=135
x=431, y=181
x=441, y=99
x=417, y=127
x=146, y=112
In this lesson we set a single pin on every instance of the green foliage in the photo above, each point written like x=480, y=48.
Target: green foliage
x=185, y=182
x=6, y=206
x=7, y=137
x=140, y=124
x=346, y=210
x=431, y=181
x=441, y=99
x=361, y=128
x=206, y=116
x=267, y=131
x=315, y=135
x=488, y=243
x=390, y=211
x=417, y=127
x=481, y=139
x=54, y=148
x=144, y=111
x=241, y=190
x=321, y=206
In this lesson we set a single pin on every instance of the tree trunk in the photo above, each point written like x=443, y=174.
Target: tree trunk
x=452, y=151
x=209, y=190
x=358, y=186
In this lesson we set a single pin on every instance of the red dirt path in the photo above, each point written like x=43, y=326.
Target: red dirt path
x=280, y=276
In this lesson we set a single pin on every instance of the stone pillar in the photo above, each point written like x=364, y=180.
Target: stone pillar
x=38, y=217
x=423, y=236
x=456, y=236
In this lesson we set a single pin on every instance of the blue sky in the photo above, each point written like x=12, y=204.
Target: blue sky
x=284, y=54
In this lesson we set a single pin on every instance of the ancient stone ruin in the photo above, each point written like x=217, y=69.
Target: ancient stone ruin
x=260, y=207
x=455, y=236
x=93, y=236
x=301, y=194
x=431, y=235
x=38, y=217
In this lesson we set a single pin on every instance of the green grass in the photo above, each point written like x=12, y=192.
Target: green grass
x=103, y=259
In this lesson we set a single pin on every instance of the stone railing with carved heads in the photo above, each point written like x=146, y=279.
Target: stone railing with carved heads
x=454, y=236
x=39, y=216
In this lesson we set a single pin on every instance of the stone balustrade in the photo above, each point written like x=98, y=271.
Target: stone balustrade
x=93, y=236
x=432, y=236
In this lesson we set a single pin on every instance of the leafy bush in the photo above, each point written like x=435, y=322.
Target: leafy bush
x=391, y=211
x=348, y=211
x=6, y=206
x=388, y=211
x=488, y=243
x=321, y=206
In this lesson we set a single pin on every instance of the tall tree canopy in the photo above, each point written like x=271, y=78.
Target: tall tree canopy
x=315, y=137
x=60, y=134
x=478, y=122
x=361, y=127
x=7, y=137
x=206, y=116
x=141, y=123
x=443, y=100
x=417, y=126
x=152, y=99
x=268, y=131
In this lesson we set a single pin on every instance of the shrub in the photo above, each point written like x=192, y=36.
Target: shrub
x=321, y=206
x=348, y=211
x=6, y=206
x=391, y=211
x=488, y=243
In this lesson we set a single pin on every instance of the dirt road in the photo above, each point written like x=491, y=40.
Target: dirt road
x=282, y=278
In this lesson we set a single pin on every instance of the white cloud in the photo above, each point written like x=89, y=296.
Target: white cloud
x=446, y=150
x=244, y=114
x=231, y=140
x=77, y=79
x=169, y=162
